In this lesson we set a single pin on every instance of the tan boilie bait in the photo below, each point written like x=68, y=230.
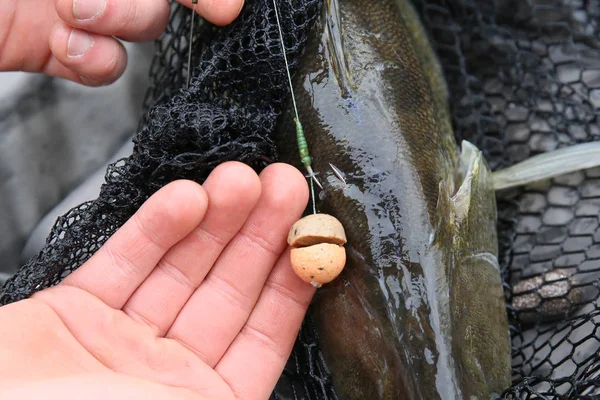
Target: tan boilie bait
x=318, y=255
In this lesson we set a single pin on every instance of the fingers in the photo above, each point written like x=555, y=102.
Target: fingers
x=233, y=190
x=137, y=20
x=83, y=45
x=128, y=257
x=84, y=41
x=132, y=20
x=219, y=308
x=87, y=58
x=36, y=36
x=219, y=12
x=254, y=361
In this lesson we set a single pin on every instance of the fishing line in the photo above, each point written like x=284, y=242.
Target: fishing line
x=287, y=66
x=189, y=66
x=302, y=145
x=312, y=195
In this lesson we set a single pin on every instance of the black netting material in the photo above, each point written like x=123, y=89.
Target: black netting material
x=524, y=78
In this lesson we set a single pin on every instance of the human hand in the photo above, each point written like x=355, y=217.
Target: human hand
x=76, y=39
x=193, y=298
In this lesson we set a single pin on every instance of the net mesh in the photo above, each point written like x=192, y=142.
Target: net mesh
x=524, y=78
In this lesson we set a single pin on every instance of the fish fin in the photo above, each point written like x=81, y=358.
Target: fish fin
x=549, y=165
x=470, y=159
x=475, y=204
x=453, y=206
x=335, y=43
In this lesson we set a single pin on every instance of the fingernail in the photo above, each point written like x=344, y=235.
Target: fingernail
x=87, y=9
x=79, y=43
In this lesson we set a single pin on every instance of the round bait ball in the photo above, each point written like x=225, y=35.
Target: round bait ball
x=320, y=263
x=318, y=255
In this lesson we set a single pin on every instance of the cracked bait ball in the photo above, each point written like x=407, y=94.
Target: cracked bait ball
x=318, y=255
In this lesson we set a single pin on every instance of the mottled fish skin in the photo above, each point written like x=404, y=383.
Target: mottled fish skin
x=418, y=312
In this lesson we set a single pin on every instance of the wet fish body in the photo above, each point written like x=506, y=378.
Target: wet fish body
x=418, y=312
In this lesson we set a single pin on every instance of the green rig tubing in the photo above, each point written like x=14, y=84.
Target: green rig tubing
x=305, y=158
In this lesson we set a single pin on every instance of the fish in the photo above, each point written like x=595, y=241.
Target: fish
x=419, y=310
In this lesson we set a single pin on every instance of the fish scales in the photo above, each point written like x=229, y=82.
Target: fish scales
x=420, y=222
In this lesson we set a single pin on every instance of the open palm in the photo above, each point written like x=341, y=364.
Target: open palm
x=193, y=298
